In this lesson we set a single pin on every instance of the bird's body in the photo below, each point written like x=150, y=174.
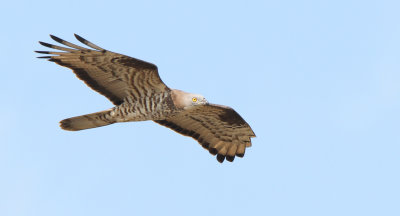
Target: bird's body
x=145, y=108
x=138, y=94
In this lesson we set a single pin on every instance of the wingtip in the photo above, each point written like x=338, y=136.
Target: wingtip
x=230, y=158
x=240, y=155
x=213, y=151
x=59, y=40
x=220, y=158
x=42, y=52
x=88, y=43
x=79, y=38
x=46, y=44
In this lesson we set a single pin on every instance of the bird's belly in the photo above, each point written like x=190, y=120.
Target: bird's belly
x=138, y=112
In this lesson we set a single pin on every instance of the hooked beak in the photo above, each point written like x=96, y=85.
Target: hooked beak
x=204, y=101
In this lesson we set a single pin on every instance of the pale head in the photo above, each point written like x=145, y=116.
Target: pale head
x=186, y=100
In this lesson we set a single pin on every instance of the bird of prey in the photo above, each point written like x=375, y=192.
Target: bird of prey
x=138, y=93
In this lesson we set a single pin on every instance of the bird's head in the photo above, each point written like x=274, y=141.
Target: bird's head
x=186, y=100
x=197, y=99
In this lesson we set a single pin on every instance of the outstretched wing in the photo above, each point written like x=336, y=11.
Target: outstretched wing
x=219, y=129
x=111, y=74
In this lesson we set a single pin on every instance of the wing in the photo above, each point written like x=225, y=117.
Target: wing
x=113, y=75
x=219, y=129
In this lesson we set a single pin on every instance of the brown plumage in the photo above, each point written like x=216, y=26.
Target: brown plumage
x=138, y=93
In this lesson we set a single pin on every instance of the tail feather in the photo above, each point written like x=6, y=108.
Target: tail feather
x=92, y=120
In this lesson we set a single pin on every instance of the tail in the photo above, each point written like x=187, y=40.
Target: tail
x=93, y=120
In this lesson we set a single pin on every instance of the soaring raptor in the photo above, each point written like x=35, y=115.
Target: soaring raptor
x=136, y=90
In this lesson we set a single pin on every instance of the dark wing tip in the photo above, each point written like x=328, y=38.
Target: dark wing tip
x=230, y=158
x=42, y=52
x=205, y=144
x=79, y=38
x=213, y=151
x=59, y=40
x=46, y=44
x=220, y=158
x=240, y=155
x=88, y=43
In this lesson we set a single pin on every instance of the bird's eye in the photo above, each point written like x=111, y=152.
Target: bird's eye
x=194, y=99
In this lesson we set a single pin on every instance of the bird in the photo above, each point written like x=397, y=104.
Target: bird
x=138, y=94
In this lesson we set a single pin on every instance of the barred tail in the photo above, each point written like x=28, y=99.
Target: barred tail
x=92, y=120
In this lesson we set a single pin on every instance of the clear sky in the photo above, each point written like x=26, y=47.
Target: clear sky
x=318, y=81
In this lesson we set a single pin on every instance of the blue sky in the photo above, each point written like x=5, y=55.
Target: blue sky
x=318, y=81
